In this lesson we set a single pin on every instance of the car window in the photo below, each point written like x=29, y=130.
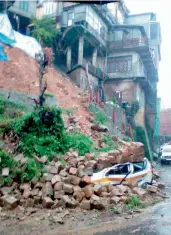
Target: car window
x=166, y=149
x=119, y=170
x=139, y=166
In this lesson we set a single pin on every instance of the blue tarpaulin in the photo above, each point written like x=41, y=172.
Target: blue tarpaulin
x=10, y=37
x=6, y=40
x=3, y=56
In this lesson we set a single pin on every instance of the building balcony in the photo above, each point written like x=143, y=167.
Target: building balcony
x=85, y=19
x=97, y=72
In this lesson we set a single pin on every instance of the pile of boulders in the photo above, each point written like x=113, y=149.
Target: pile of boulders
x=69, y=185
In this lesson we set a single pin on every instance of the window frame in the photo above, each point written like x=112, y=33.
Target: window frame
x=158, y=30
x=120, y=64
x=24, y=5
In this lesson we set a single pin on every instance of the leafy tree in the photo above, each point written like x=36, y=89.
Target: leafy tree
x=45, y=30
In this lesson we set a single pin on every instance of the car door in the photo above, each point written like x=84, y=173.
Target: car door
x=141, y=172
x=115, y=175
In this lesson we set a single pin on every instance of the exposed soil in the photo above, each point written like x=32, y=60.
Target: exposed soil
x=20, y=73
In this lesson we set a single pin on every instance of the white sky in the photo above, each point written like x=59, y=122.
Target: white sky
x=162, y=9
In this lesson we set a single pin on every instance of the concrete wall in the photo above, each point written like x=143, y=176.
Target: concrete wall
x=131, y=91
x=137, y=66
x=31, y=9
x=119, y=35
x=25, y=99
x=79, y=78
x=165, y=122
x=47, y=9
x=100, y=63
x=127, y=87
x=140, y=97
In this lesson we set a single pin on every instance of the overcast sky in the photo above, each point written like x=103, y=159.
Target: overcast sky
x=161, y=7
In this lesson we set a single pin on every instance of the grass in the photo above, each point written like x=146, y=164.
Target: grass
x=133, y=202
x=114, y=210
x=99, y=114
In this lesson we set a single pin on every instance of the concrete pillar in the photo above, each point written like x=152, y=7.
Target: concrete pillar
x=80, y=50
x=69, y=58
x=94, y=59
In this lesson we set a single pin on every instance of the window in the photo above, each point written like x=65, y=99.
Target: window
x=119, y=64
x=49, y=7
x=70, y=18
x=154, y=30
x=102, y=32
x=139, y=166
x=95, y=23
x=24, y=5
x=119, y=170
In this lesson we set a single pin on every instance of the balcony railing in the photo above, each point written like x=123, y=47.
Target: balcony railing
x=128, y=43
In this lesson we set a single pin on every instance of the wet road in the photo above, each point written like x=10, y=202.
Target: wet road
x=156, y=221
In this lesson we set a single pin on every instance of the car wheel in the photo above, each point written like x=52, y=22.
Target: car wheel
x=144, y=185
x=162, y=162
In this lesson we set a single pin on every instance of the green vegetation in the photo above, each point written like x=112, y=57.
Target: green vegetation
x=127, y=139
x=99, y=114
x=114, y=210
x=140, y=136
x=45, y=30
x=36, y=134
x=133, y=202
x=78, y=141
x=22, y=172
x=110, y=144
x=9, y=112
x=131, y=111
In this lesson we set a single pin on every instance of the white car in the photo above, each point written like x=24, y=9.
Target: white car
x=165, y=154
x=140, y=172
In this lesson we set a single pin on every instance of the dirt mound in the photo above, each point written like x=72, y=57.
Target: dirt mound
x=20, y=73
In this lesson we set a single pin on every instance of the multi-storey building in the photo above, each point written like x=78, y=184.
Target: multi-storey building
x=122, y=50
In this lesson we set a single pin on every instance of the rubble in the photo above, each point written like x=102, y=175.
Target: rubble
x=152, y=189
x=70, y=186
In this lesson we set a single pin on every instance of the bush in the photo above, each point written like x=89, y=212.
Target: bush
x=127, y=139
x=78, y=141
x=20, y=173
x=133, y=202
x=110, y=144
x=140, y=136
x=99, y=114
x=40, y=132
x=6, y=161
x=45, y=30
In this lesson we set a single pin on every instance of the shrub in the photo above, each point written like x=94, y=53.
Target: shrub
x=6, y=161
x=133, y=202
x=20, y=173
x=110, y=144
x=78, y=141
x=140, y=136
x=127, y=139
x=99, y=114
x=40, y=132
x=45, y=30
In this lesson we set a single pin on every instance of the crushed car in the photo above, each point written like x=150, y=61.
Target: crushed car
x=138, y=172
